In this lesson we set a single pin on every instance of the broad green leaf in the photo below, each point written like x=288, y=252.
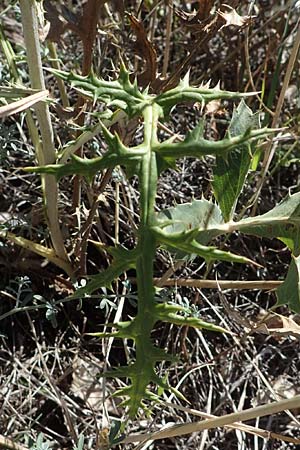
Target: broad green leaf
x=289, y=292
x=187, y=228
x=230, y=171
x=282, y=222
x=197, y=215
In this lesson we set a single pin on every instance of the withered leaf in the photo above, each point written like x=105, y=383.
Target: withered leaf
x=233, y=18
x=204, y=9
x=87, y=30
x=20, y=105
x=195, y=17
x=84, y=25
x=278, y=325
x=120, y=8
x=146, y=50
x=57, y=24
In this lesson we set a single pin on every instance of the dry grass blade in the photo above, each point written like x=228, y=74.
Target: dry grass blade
x=228, y=419
x=47, y=154
x=39, y=249
x=24, y=103
x=265, y=434
x=224, y=284
x=10, y=445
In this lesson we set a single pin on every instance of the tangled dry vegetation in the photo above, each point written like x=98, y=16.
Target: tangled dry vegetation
x=52, y=392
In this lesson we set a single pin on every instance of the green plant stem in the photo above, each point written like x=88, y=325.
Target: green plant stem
x=146, y=239
x=145, y=318
x=46, y=154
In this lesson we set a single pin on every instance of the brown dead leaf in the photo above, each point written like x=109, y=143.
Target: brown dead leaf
x=278, y=325
x=87, y=28
x=57, y=24
x=233, y=18
x=214, y=108
x=195, y=18
x=146, y=50
x=85, y=382
x=204, y=9
x=84, y=25
x=195, y=22
x=200, y=21
x=119, y=6
x=65, y=114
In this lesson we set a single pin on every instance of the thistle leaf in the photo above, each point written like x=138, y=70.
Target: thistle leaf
x=185, y=93
x=198, y=215
x=180, y=223
x=168, y=313
x=122, y=90
x=187, y=228
x=123, y=260
x=282, y=222
x=199, y=147
x=230, y=172
x=117, y=155
x=289, y=292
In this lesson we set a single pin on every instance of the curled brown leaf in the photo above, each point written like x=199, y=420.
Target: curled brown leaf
x=145, y=49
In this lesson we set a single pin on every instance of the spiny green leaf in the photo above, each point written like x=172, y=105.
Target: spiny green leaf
x=121, y=92
x=185, y=93
x=208, y=253
x=168, y=313
x=196, y=133
x=89, y=167
x=200, y=147
x=164, y=163
x=126, y=330
x=230, y=172
x=123, y=260
x=289, y=292
x=282, y=222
